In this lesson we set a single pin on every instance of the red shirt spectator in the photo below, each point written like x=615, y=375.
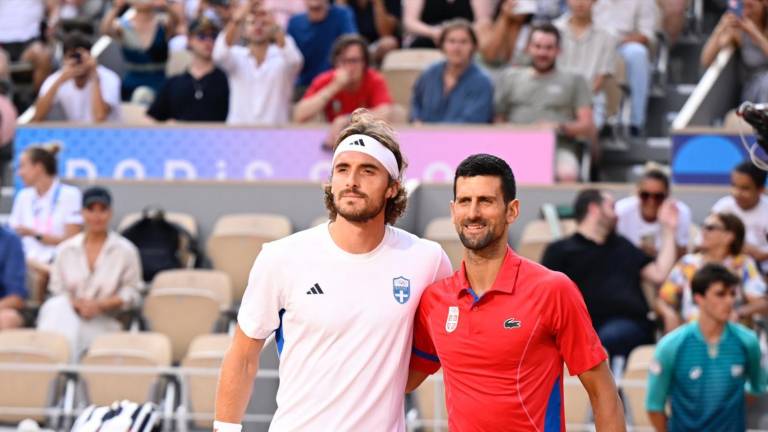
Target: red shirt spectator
x=371, y=93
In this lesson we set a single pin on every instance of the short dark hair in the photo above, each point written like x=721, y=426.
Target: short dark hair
x=757, y=175
x=345, y=41
x=74, y=41
x=483, y=164
x=46, y=156
x=735, y=226
x=583, y=200
x=710, y=274
x=545, y=28
x=658, y=175
x=457, y=24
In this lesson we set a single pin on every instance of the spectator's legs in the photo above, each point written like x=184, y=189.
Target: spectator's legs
x=673, y=18
x=381, y=47
x=756, y=89
x=621, y=335
x=638, y=67
x=599, y=103
x=10, y=318
x=41, y=58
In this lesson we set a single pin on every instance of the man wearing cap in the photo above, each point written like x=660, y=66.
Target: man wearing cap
x=340, y=298
x=94, y=274
x=201, y=93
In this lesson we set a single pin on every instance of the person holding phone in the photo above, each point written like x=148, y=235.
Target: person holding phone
x=745, y=28
x=261, y=73
x=81, y=91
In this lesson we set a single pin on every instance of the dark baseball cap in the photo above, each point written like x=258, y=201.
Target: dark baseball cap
x=219, y=2
x=97, y=195
x=203, y=26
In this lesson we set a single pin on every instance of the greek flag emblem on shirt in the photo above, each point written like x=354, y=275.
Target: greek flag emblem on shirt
x=401, y=289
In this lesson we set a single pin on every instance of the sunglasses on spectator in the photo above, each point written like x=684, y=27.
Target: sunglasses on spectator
x=205, y=36
x=656, y=196
x=713, y=227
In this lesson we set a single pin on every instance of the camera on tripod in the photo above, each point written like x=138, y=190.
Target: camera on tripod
x=757, y=117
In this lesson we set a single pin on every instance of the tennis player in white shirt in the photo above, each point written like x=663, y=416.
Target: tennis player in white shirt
x=341, y=298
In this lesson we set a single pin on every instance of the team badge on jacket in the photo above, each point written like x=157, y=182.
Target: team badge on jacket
x=401, y=289
x=453, y=319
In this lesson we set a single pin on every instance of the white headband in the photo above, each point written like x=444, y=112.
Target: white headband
x=373, y=148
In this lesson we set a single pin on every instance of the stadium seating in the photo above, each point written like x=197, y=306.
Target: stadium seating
x=126, y=350
x=183, y=304
x=236, y=241
x=401, y=68
x=184, y=220
x=430, y=401
x=537, y=234
x=205, y=351
x=637, y=369
x=575, y=400
x=35, y=390
x=443, y=231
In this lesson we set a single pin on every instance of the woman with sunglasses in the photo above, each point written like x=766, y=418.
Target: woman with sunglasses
x=722, y=243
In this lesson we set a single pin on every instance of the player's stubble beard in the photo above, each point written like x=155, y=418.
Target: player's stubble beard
x=368, y=212
x=482, y=242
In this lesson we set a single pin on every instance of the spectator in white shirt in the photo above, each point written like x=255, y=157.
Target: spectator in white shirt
x=749, y=202
x=85, y=91
x=261, y=73
x=95, y=274
x=44, y=213
x=638, y=215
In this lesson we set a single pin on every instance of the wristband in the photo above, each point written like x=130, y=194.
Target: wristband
x=219, y=426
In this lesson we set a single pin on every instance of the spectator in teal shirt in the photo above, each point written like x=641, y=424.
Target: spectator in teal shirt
x=455, y=90
x=703, y=368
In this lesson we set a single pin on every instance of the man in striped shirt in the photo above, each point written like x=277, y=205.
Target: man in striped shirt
x=702, y=367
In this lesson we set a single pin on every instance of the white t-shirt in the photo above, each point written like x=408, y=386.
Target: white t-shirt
x=259, y=94
x=20, y=19
x=47, y=214
x=755, y=221
x=344, y=326
x=76, y=102
x=632, y=225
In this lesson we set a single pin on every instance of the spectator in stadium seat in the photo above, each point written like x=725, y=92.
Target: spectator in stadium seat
x=13, y=289
x=722, y=242
x=261, y=74
x=704, y=368
x=633, y=24
x=378, y=21
x=638, y=215
x=350, y=85
x=588, y=51
x=315, y=32
x=749, y=36
x=20, y=36
x=144, y=41
x=82, y=90
x=502, y=43
x=749, y=202
x=547, y=96
x=454, y=90
x=608, y=270
x=95, y=274
x=422, y=18
x=202, y=92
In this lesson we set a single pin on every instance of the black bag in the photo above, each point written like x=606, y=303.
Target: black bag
x=158, y=241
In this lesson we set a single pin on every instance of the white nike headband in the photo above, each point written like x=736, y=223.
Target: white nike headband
x=368, y=145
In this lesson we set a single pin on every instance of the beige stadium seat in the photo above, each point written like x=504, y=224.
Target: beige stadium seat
x=236, y=241
x=214, y=281
x=537, y=234
x=443, y=231
x=401, y=68
x=320, y=220
x=184, y=220
x=32, y=389
x=178, y=62
x=638, y=365
x=206, y=351
x=125, y=349
x=182, y=313
x=575, y=401
x=430, y=400
x=134, y=114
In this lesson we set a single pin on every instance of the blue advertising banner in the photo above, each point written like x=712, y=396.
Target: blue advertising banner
x=708, y=158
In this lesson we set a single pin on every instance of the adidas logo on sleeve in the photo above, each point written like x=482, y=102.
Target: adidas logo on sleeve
x=315, y=290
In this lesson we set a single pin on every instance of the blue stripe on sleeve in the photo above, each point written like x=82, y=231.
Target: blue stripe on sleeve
x=425, y=355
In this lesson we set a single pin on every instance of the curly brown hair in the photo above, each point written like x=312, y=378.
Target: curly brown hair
x=364, y=123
